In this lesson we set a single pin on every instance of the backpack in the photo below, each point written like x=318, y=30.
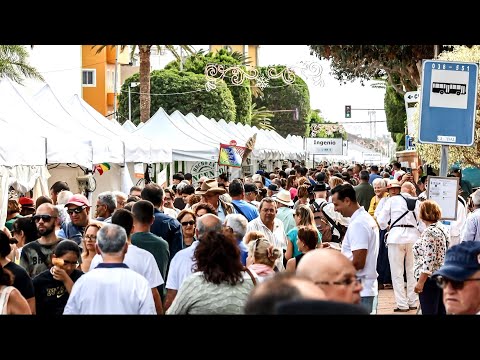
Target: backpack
x=325, y=224
x=411, y=203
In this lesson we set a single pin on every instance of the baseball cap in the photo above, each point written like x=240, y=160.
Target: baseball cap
x=26, y=202
x=79, y=200
x=250, y=188
x=461, y=261
x=273, y=187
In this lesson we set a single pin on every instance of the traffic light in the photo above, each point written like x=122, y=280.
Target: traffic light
x=348, y=111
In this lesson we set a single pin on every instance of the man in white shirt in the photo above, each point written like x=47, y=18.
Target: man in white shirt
x=182, y=264
x=361, y=242
x=111, y=287
x=137, y=259
x=402, y=235
x=271, y=227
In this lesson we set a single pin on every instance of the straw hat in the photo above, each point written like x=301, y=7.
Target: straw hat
x=393, y=184
x=283, y=197
x=210, y=186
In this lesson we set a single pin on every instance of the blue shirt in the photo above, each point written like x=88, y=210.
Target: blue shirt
x=373, y=177
x=248, y=210
x=243, y=251
x=169, y=229
x=73, y=232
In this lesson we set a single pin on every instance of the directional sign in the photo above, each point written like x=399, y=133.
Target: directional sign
x=448, y=103
x=411, y=98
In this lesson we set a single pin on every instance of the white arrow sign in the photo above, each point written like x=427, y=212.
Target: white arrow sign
x=411, y=97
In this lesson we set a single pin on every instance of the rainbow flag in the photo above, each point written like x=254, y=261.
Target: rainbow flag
x=101, y=168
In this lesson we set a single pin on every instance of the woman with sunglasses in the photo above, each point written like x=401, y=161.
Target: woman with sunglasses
x=53, y=286
x=88, y=244
x=187, y=219
x=429, y=255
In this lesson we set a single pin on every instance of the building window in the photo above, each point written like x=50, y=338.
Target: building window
x=89, y=78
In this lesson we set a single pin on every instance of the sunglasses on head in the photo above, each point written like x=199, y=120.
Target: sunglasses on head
x=45, y=218
x=186, y=223
x=76, y=210
x=442, y=282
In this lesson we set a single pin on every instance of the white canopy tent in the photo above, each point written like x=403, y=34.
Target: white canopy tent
x=185, y=144
x=137, y=148
x=63, y=146
x=106, y=146
x=129, y=126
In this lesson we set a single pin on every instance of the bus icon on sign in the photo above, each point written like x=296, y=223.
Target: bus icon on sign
x=449, y=88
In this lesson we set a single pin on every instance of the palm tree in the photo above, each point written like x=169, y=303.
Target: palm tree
x=261, y=118
x=144, y=54
x=13, y=64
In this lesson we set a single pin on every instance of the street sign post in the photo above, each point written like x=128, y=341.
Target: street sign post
x=411, y=98
x=448, y=103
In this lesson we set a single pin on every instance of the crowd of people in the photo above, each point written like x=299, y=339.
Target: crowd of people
x=291, y=241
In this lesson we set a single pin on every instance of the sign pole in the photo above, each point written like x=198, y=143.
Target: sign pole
x=444, y=148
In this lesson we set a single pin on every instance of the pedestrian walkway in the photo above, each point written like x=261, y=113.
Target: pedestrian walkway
x=386, y=304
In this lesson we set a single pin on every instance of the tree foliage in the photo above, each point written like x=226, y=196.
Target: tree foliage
x=183, y=91
x=261, y=118
x=280, y=96
x=144, y=52
x=400, y=65
x=396, y=114
x=242, y=94
x=14, y=64
x=464, y=155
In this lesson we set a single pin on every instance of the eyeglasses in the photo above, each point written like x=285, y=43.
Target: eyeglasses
x=442, y=282
x=352, y=280
x=186, y=223
x=45, y=218
x=90, y=237
x=76, y=210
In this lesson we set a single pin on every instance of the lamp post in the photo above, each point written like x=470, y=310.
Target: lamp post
x=132, y=84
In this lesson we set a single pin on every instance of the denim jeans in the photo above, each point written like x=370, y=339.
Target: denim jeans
x=370, y=303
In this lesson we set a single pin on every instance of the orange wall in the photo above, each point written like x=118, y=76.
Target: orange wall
x=95, y=96
x=252, y=54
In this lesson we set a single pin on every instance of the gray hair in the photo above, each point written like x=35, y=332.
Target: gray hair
x=181, y=185
x=111, y=239
x=267, y=199
x=63, y=197
x=476, y=197
x=120, y=194
x=208, y=222
x=238, y=223
x=109, y=199
x=379, y=181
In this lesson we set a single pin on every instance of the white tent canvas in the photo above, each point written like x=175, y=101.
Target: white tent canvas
x=129, y=126
x=137, y=148
x=63, y=146
x=186, y=146
x=107, y=147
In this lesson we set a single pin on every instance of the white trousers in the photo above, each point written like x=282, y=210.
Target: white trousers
x=397, y=255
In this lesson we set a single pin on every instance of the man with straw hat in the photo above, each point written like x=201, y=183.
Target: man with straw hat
x=210, y=193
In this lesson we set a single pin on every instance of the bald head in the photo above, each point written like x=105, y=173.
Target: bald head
x=208, y=222
x=409, y=188
x=281, y=287
x=47, y=209
x=325, y=267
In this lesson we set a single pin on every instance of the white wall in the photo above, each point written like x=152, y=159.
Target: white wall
x=61, y=67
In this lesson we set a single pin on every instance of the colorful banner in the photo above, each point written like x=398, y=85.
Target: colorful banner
x=231, y=155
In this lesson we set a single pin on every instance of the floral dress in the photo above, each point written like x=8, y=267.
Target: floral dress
x=429, y=250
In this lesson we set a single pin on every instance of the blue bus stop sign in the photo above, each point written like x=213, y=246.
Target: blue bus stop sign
x=448, y=103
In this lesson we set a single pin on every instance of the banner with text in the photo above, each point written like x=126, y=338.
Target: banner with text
x=372, y=158
x=325, y=146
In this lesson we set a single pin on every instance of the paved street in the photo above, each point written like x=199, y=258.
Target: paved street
x=386, y=304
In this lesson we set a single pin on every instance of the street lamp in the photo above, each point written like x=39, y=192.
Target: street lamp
x=132, y=84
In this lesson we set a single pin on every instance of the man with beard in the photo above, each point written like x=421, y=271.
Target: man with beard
x=36, y=256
